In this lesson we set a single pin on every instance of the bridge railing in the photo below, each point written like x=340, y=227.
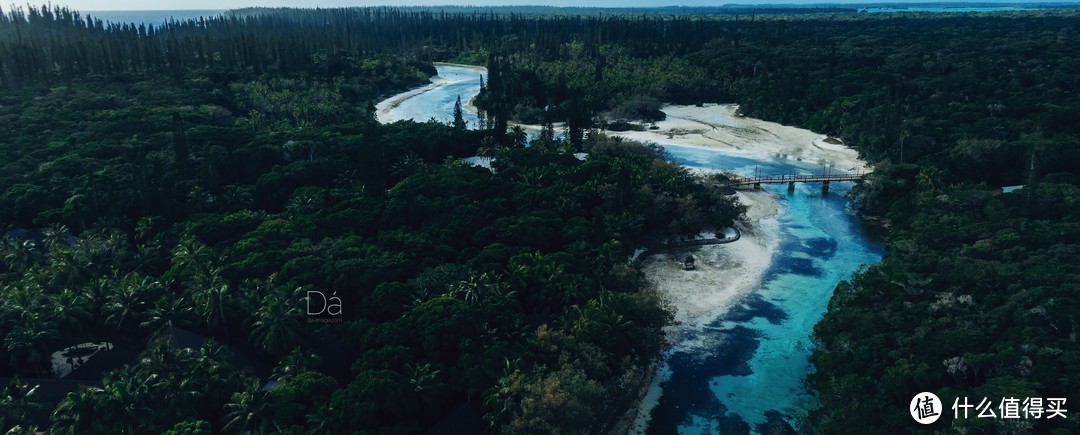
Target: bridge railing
x=788, y=178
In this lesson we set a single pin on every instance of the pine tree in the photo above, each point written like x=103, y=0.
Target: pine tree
x=459, y=119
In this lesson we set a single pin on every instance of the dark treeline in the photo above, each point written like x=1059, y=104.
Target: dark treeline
x=53, y=44
x=696, y=12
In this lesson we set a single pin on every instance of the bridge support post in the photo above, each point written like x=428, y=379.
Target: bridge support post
x=825, y=186
x=791, y=186
x=757, y=186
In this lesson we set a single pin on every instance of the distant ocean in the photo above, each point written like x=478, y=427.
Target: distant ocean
x=157, y=18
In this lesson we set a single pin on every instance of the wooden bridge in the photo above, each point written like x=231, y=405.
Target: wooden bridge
x=791, y=179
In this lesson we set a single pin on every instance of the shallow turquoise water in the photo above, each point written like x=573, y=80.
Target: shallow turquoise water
x=746, y=366
x=752, y=367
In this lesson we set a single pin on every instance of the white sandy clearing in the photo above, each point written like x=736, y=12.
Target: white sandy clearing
x=723, y=273
x=717, y=126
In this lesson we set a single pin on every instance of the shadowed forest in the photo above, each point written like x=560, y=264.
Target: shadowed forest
x=206, y=176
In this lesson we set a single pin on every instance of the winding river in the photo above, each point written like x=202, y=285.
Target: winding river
x=742, y=369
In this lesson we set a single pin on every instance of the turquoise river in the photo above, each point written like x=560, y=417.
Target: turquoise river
x=745, y=375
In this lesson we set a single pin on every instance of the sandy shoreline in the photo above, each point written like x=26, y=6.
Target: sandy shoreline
x=710, y=126
x=723, y=275
x=719, y=127
x=723, y=272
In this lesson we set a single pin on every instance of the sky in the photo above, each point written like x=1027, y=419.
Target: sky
x=123, y=5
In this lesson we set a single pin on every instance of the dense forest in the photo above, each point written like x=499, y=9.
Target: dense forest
x=198, y=177
x=210, y=174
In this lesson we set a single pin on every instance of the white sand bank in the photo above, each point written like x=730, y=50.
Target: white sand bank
x=717, y=126
x=723, y=273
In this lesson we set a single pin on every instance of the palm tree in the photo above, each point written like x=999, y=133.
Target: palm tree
x=16, y=403
x=321, y=420
x=423, y=378
x=489, y=148
x=78, y=413
x=249, y=412
x=18, y=254
x=104, y=250
x=504, y=397
x=161, y=380
x=126, y=304
x=159, y=358
x=145, y=228
x=214, y=302
x=56, y=237
x=37, y=277
x=151, y=257
x=927, y=178
x=277, y=326
x=69, y=311
x=20, y=298
x=64, y=268
x=294, y=363
x=478, y=287
x=193, y=257
x=27, y=342
x=167, y=309
x=210, y=381
x=86, y=257
x=19, y=429
x=97, y=292
x=240, y=197
x=408, y=165
x=518, y=137
x=135, y=397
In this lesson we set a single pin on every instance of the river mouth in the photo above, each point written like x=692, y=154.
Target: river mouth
x=736, y=363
